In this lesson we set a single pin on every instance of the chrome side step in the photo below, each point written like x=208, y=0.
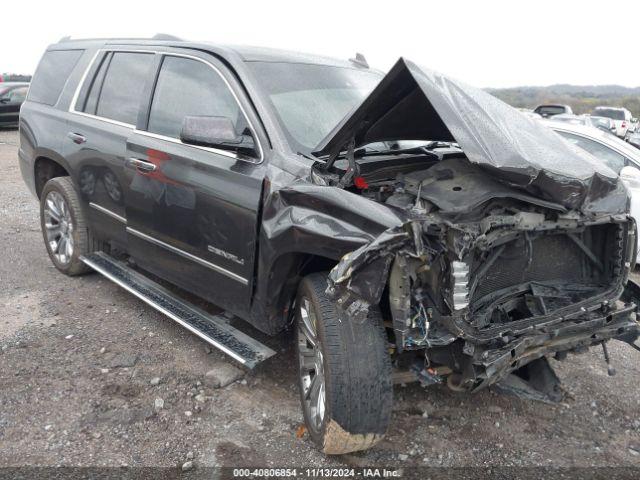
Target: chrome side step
x=213, y=329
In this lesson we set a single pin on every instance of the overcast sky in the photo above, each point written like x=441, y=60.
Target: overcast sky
x=482, y=42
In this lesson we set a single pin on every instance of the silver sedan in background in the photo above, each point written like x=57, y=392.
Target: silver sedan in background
x=617, y=154
x=603, y=123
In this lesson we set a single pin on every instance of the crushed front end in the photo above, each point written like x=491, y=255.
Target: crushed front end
x=514, y=245
x=476, y=299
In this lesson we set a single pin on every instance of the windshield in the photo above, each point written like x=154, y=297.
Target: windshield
x=310, y=100
x=610, y=113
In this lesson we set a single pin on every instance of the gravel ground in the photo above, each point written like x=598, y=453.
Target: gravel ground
x=91, y=376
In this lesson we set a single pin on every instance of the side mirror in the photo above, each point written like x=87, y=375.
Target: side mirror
x=630, y=176
x=5, y=100
x=215, y=132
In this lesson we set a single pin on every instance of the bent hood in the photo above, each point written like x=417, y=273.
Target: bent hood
x=411, y=103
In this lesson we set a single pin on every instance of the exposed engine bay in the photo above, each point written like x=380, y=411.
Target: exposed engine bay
x=483, y=278
x=512, y=245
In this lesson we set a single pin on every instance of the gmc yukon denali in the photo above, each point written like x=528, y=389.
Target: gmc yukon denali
x=410, y=227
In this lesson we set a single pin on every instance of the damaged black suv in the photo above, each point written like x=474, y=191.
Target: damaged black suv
x=403, y=221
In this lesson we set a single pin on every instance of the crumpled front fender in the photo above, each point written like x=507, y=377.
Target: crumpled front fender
x=305, y=219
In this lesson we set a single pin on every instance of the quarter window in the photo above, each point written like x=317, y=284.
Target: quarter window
x=119, y=98
x=51, y=75
x=187, y=87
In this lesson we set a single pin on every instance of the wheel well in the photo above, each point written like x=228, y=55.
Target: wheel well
x=292, y=268
x=315, y=263
x=44, y=170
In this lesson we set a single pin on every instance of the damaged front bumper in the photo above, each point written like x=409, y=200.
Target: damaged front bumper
x=575, y=335
x=479, y=341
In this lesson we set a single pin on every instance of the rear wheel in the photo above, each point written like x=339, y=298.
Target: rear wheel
x=344, y=372
x=64, y=227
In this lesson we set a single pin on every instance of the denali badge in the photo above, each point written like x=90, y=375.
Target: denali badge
x=227, y=255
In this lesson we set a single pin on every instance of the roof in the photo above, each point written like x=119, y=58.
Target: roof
x=552, y=105
x=609, y=108
x=596, y=134
x=583, y=129
x=246, y=53
x=263, y=54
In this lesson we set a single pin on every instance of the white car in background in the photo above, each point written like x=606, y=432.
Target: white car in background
x=634, y=139
x=621, y=116
x=617, y=154
x=603, y=123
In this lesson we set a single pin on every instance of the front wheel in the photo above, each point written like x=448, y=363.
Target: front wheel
x=345, y=372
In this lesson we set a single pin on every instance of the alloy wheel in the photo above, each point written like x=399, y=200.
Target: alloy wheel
x=58, y=226
x=311, y=365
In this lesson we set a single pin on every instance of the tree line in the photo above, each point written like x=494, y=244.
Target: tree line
x=582, y=99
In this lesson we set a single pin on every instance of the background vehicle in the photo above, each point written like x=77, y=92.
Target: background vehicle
x=622, y=158
x=288, y=188
x=529, y=113
x=634, y=139
x=603, y=123
x=12, y=95
x=549, y=110
x=621, y=116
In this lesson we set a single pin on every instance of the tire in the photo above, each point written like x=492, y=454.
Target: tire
x=81, y=243
x=355, y=408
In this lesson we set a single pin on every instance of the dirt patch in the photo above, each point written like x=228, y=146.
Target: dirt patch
x=20, y=310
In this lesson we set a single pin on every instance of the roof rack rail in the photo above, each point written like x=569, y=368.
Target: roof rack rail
x=166, y=36
x=157, y=36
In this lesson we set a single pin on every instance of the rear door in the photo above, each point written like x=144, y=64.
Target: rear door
x=192, y=211
x=102, y=118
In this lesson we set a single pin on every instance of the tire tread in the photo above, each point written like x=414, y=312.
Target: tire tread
x=358, y=372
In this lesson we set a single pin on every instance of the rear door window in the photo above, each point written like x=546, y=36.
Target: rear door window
x=188, y=87
x=51, y=75
x=119, y=98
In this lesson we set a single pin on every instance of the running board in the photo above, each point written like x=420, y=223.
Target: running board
x=213, y=329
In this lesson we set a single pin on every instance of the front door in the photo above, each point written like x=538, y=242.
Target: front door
x=192, y=211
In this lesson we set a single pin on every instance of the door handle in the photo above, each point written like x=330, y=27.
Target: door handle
x=142, y=165
x=77, y=137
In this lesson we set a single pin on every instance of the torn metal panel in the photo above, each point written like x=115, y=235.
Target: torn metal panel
x=537, y=381
x=301, y=219
x=535, y=285
x=412, y=103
